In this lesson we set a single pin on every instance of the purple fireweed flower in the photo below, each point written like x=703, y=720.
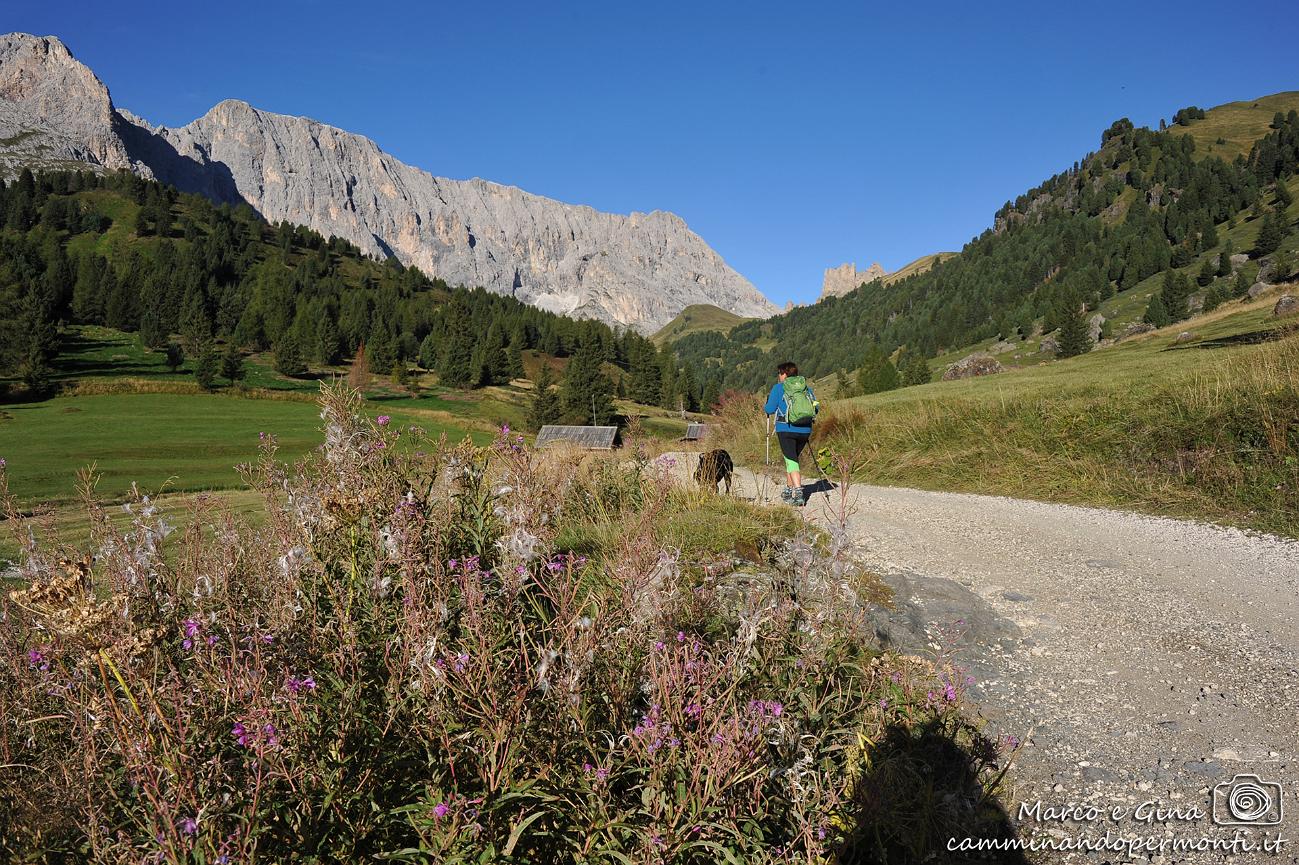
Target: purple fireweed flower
x=191, y=627
x=694, y=710
x=187, y=644
x=601, y=774
x=34, y=657
x=884, y=704
x=588, y=768
x=896, y=678
x=271, y=734
x=297, y=685
x=949, y=693
x=212, y=639
x=681, y=636
x=268, y=638
x=240, y=732
x=505, y=429
x=3, y=463
x=969, y=680
x=383, y=420
x=188, y=826
x=441, y=809
x=659, y=645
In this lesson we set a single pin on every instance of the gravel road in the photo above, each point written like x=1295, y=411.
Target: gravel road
x=1141, y=659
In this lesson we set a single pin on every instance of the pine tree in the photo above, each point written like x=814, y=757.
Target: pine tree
x=877, y=372
x=288, y=356
x=495, y=364
x=1156, y=312
x=545, y=408
x=1075, y=338
x=712, y=392
x=1284, y=198
x=916, y=370
x=1207, y=272
x=232, y=364
x=456, y=365
x=1224, y=259
x=1270, y=236
x=1174, y=294
x=205, y=369
x=587, y=394
x=175, y=356
x=1240, y=285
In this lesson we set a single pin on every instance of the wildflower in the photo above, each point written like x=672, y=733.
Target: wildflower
x=601, y=774
x=949, y=693
x=188, y=826
x=694, y=710
x=3, y=463
x=211, y=639
x=297, y=685
x=681, y=636
x=268, y=638
x=505, y=429
x=271, y=734
x=659, y=646
x=190, y=628
x=383, y=419
x=884, y=704
x=441, y=809
x=240, y=732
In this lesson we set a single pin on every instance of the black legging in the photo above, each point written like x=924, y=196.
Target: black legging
x=791, y=448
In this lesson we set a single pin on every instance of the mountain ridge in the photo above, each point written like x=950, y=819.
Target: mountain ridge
x=637, y=270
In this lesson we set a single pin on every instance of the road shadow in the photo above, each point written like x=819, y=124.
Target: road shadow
x=922, y=787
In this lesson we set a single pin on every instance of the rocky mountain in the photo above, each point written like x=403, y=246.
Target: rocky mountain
x=846, y=277
x=638, y=270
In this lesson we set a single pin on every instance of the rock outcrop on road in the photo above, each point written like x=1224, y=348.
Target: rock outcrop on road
x=638, y=270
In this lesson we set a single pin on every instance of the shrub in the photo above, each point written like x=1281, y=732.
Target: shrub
x=400, y=661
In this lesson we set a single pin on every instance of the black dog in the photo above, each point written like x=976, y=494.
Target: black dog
x=715, y=467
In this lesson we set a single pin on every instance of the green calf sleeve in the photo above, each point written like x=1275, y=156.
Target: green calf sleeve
x=791, y=465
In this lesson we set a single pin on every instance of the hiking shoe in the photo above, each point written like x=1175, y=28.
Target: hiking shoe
x=798, y=500
x=787, y=495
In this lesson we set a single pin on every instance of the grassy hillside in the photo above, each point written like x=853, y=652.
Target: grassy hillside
x=1205, y=428
x=922, y=264
x=1100, y=235
x=698, y=318
x=1230, y=130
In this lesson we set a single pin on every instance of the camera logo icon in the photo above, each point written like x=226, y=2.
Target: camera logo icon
x=1247, y=800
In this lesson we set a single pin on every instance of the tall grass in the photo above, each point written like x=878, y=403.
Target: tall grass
x=403, y=661
x=1219, y=442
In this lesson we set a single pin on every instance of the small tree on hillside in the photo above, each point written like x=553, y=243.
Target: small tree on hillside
x=1224, y=259
x=205, y=369
x=915, y=370
x=175, y=356
x=232, y=364
x=1270, y=235
x=1156, y=312
x=288, y=357
x=545, y=408
x=1207, y=273
x=877, y=372
x=1075, y=338
x=1284, y=198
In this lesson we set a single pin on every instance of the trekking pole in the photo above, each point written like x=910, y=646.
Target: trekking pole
x=766, y=425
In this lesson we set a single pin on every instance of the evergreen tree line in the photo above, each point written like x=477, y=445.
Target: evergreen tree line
x=1139, y=206
x=183, y=274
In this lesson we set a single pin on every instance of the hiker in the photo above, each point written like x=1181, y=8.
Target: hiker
x=793, y=405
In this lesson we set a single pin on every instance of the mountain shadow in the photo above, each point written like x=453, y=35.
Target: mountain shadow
x=210, y=179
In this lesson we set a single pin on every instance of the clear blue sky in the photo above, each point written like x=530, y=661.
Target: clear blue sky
x=791, y=136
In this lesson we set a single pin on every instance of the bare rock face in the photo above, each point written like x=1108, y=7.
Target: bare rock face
x=846, y=277
x=54, y=112
x=638, y=270
x=973, y=365
x=1286, y=304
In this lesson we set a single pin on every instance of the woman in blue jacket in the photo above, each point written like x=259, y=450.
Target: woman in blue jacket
x=793, y=437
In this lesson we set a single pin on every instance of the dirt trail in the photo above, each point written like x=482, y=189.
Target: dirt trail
x=1140, y=658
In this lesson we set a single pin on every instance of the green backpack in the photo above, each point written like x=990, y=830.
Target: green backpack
x=799, y=410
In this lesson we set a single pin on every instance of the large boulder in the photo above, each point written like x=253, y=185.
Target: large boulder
x=1259, y=288
x=1185, y=336
x=1049, y=345
x=1001, y=346
x=1094, y=325
x=970, y=366
x=1134, y=329
x=1239, y=260
x=1286, y=304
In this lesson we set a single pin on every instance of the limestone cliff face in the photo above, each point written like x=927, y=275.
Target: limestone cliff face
x=638, y=270
x=846, y=277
